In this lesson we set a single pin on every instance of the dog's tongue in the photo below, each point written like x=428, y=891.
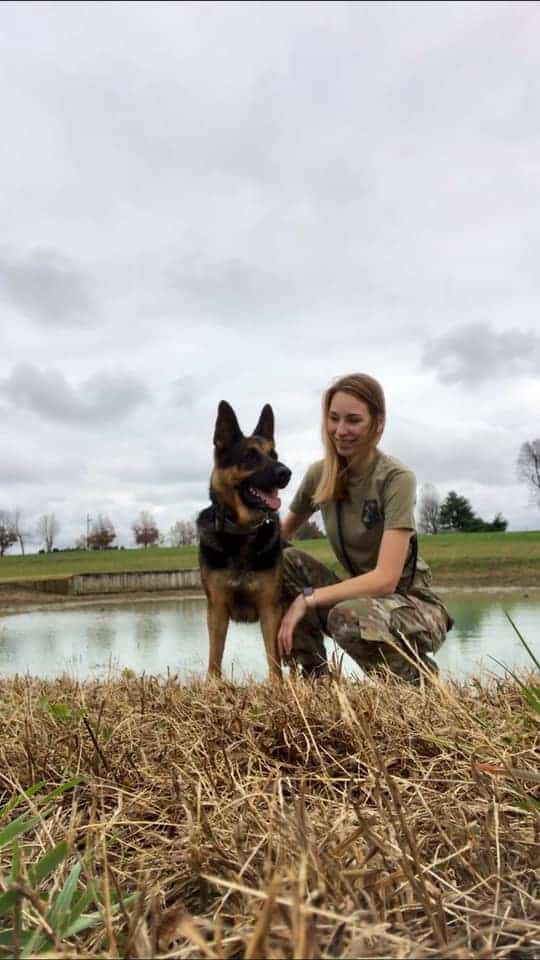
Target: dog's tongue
x=273, y=502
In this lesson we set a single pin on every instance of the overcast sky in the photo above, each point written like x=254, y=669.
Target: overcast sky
x=241, y=201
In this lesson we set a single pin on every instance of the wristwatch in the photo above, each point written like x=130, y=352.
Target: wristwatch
x=308, y=594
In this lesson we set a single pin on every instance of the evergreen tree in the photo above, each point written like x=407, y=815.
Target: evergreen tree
x=456, y=513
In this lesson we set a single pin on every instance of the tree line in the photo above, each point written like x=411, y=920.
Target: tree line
x=100, y=532
x=454, y=513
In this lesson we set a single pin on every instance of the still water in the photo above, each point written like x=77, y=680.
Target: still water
x=156, y=636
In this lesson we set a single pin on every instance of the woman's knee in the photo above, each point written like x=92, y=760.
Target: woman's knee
x=343, y=624
x=364, y=635
x=424, y=626
x=345, y=627
x=351, y=621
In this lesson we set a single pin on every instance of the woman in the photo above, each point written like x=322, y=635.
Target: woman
x=385, y=615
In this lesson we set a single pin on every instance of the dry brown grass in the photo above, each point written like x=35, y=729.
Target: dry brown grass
x=329, y=820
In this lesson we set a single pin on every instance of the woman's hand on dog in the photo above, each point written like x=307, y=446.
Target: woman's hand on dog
x=296, y=611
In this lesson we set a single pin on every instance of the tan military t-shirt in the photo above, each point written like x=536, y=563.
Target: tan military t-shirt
x=381, y=499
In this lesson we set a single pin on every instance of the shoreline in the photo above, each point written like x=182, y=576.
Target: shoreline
x=19, y=601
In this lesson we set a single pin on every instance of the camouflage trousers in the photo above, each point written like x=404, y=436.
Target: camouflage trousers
x=375, y=631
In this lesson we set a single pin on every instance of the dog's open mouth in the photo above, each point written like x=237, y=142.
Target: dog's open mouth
x=266, y=497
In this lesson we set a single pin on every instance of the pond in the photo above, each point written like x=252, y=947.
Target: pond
x=99, y=640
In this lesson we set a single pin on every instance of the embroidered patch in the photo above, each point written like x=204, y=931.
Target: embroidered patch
x=371, y=513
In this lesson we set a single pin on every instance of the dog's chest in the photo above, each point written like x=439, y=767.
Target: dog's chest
x=242, y=557
x=241, y=600
x=243, y=582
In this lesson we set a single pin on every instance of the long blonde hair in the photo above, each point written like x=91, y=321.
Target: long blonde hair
x=333, y=482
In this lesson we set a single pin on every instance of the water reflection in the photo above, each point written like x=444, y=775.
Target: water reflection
x=148, y=628
x=171, y=634
x=100, y=631
x=483, y=635
x=472, y=610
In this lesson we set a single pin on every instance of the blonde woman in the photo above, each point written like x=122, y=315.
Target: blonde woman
x=384, y=615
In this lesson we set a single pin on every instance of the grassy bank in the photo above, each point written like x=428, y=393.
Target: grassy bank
x=343, y=820
x=97, y=561
x=470, y=558
x=475, y=558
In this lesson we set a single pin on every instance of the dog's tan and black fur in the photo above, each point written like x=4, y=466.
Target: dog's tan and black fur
x=239, y=534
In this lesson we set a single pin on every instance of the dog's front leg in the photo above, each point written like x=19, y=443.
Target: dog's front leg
x=270, y=617
x=218, y=621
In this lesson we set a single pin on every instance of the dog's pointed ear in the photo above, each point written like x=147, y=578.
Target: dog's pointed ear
x=265, y=426
x=227, y=430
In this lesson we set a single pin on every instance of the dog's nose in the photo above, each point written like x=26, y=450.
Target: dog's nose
x=283, y=475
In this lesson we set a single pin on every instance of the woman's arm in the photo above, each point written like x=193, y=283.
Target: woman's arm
x=290, y=525
x=380, y=582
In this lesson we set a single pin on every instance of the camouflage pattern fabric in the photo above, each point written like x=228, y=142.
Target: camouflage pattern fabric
x=378, y=633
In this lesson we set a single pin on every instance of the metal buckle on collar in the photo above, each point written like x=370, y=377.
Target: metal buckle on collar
x=235, y=528
x=222, y=524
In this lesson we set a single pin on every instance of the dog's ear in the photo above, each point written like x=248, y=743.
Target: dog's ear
x=265, y=426
x=227, y=431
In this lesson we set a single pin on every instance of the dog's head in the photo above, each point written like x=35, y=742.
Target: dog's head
x=247, y=473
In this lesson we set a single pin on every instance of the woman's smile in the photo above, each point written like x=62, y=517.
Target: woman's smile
x=349, y=424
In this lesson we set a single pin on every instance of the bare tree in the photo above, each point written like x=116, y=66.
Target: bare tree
x=429, y=509
x=145, y=530
x=7, y=532
x=528, y=467
x=21, y=533
x=47, y=530
x=102, y=533
x=183, y=534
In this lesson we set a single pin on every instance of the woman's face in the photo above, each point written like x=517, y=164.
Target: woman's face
x=349, y=423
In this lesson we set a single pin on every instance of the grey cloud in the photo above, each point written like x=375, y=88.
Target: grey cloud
x=234, y=287
x=194, y=495
x=476, y=453
x=475, y=352
x=47, y=287
x=168, y=474
x=282, y=287
x=183, y=462
x=38, y=465
x=103, y=398
x=184, y=391
x=19, y=470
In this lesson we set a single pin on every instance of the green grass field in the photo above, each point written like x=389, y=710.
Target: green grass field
x=498, y=558
x=475, y=558
x=97, y=561
x=507, y=554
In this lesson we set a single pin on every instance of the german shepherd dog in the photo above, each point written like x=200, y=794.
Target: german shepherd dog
x=239, y=534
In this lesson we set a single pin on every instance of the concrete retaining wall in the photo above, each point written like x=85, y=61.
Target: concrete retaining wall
x=60, y=585
x=83, y=583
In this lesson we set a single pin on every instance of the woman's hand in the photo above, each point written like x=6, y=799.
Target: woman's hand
x=296, y=611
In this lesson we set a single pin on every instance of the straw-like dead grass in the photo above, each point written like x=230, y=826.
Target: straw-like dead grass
x=328, y=820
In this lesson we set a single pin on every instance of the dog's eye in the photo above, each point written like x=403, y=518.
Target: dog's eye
x=251, y=458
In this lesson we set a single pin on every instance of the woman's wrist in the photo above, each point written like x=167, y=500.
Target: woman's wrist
x=308, y=594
